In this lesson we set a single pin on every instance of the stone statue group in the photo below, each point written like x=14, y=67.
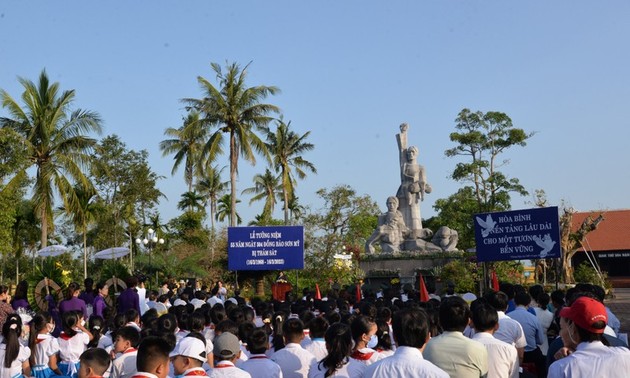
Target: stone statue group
x=400, y=228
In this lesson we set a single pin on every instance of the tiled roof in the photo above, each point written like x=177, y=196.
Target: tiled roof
x=612, y=234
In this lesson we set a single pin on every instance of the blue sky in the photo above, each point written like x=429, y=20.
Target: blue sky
x=350, y=72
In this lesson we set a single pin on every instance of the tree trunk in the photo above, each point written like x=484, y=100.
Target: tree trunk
x=260, y=286
x=286, y=206
x=44, y=240
x=233, y=169
x=84, y=252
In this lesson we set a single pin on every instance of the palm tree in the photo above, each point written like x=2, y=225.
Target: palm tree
x=191, y=201
x=186, y=144
x=56, y=140
x=236, y=110
x=266, y=187
x=286, y=148
x=83, y=212
x=295, y=208
x=211, y=187
x=224, y=210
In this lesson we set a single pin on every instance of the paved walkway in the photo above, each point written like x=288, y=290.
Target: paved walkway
x=620, y=306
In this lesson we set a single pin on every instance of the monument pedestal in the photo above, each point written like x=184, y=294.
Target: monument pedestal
x=381, y=268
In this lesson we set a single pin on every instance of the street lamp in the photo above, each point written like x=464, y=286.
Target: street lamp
x=149, y=242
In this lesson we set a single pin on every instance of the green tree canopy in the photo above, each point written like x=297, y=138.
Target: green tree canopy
x=238, y=111
x=56, y=140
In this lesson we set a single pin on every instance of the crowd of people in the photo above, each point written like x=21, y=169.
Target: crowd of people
x=192, y=330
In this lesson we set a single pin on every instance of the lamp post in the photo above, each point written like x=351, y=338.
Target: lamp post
x=149, y=242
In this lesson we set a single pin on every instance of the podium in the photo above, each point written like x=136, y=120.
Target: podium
x=279, y=290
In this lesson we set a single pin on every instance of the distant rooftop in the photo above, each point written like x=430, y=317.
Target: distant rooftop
x=612, y=234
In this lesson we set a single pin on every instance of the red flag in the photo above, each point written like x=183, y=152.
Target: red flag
x=359, y=296
x=424, y=293
x=318, y=295
x=495, y=281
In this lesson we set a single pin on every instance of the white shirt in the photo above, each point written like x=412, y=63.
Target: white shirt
x=545, y=317
x=352, y=369
x=124, y=366
x=228, y=370
x=291, y=366
x=71, y=349
x=406, y=362
x=16, y=366
x=502, y=357
x=260, y=366
x=317, y=347
x=142, y=298
x=374, y=356
x=593, y=360
x=510, y=331
x=45, y=347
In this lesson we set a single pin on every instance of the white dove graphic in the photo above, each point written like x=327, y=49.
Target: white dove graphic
x=546, y=243
x=487, y=225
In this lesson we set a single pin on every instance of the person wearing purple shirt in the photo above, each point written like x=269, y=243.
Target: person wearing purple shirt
x=72, y=302
x=88, y=294
x=99, y=301
x=20, y=297
x=129, y=299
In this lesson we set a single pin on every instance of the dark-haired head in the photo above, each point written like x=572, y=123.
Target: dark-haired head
x=94, y=362
x=11, y=330
x=485, y=318
x=411, y=327
x=454, y=314
x=338, y=340
x=258, y=341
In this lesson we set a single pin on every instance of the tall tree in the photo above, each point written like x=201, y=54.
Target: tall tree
x=224, y=210
x=481, y=138
x=191, y=201
x=286, y=148
x=236, y=110
x=266, y=187
x=83, y=212
x=56, y=139
x=186, y=143
x=211, y=186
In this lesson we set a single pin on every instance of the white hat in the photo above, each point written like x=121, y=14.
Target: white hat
x=190, y=347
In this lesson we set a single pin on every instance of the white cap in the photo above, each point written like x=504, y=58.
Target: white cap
x=190, y=347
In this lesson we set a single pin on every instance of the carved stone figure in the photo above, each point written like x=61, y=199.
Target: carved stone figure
x=400, y=228
x=413, y=184
x=391, y=230
x=446, y=238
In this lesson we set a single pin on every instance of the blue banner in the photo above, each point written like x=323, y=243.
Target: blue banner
x=266, y=248
x=518, y=235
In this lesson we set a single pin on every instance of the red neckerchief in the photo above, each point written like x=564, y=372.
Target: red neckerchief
x=224, y=364
x=65, y=336
x=198, y=372
x=130, y=350
x=357, y=355
x=39, y=340
x=258, y=357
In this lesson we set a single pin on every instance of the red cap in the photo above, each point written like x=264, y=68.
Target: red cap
x=585, y=312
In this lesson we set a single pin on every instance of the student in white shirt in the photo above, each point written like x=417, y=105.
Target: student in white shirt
x=12, y=353
x=259, y=365
x=337, y=362
x=94, y=363
x=584, y=354
x=153, y=358
x=502, y=357
x=227, y=350
x=364, y=336
x=188, y=357
x=411, y=332
x=73, y=341
x=294, y=360
x=315, y=343
x=124, y=366
x=44, y=347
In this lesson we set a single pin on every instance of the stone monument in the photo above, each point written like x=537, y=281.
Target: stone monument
x=400, y=228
